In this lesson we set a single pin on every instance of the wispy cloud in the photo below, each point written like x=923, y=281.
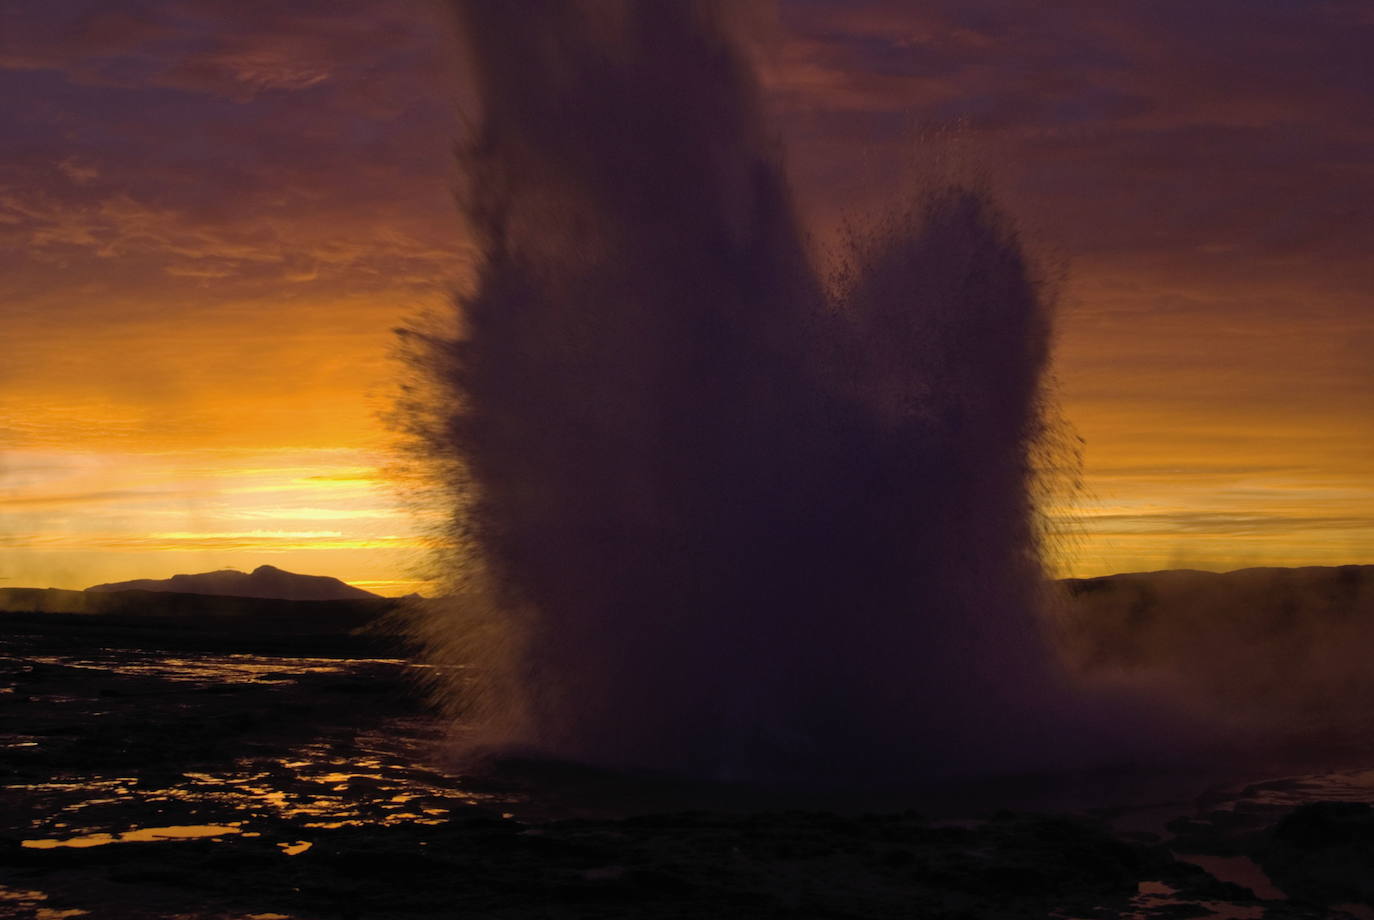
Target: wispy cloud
x=1220, y=522
x=254, y=541
x=87, y=498
x=319, y=514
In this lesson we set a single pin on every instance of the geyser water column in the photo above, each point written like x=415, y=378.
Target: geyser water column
x=720, y=514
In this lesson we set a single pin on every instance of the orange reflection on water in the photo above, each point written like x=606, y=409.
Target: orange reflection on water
x=31, y=899
x=138, y=835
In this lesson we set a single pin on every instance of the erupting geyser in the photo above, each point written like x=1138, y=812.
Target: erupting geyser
x=717, y=510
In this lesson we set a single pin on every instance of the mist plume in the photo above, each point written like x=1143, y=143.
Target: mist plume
x=717, y=509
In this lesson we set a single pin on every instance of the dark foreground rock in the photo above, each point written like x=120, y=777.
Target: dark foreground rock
x=203, y=783
x=791, y=864
x=1322, y=853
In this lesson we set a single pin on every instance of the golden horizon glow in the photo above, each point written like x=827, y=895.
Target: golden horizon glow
x=201, y=267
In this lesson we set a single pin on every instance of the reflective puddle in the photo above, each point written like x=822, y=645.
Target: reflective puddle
x=30, y=901
x=139, y=835
x=134, y=746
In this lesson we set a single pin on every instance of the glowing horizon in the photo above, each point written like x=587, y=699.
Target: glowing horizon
x=214, y=217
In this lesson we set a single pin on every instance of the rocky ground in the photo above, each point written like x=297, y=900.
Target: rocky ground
x=212, y=783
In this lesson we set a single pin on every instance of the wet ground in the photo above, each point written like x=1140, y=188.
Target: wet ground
x=211, y=782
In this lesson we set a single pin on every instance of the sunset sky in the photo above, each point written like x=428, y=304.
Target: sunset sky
x=213, y=213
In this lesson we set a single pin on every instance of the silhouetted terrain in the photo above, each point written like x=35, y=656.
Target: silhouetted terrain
x=266, y=610
x=142, y=785
x=159, y=619
x=265, y=581
x=298, y=757
x=1250, y=639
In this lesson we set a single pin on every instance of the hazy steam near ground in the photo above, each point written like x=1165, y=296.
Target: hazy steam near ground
x=1263, y=655
x=718, y=510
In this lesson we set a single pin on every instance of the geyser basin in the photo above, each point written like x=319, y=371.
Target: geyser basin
x=721, y=511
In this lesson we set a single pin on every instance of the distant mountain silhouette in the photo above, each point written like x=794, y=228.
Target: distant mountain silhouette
x=266, y=581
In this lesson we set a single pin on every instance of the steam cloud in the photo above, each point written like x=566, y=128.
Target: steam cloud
x=718, y=510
